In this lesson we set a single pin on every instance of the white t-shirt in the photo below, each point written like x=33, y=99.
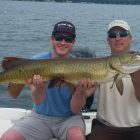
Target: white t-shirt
x=116, y=110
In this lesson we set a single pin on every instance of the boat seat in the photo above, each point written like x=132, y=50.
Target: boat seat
x=12, y=113
x=9, y=115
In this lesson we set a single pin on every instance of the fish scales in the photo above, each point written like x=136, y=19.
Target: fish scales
x=16, y=71
x=71, y=70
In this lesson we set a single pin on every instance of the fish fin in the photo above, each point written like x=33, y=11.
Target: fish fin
x=15, y=89
x=58, y=81
x=120, y=86
x=9, y=62
x=55, y=81
x=115, y=78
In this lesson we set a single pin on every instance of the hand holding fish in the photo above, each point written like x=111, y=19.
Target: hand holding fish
x=36, y=81
x=37, y=86
x=111, y=68
x=86, y=87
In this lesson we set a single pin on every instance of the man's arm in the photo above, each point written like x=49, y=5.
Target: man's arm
x=38, y=89
x=136, y=83
x=84, y=89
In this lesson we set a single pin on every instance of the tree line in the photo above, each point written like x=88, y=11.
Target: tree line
x=134, y=2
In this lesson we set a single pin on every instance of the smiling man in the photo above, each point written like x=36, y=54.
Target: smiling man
x=118, y=116
x=57, y=110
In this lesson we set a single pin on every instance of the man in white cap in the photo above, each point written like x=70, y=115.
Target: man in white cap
x=118, y=116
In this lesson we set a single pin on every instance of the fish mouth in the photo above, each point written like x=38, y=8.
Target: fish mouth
x=138, y=57
x=130, y=69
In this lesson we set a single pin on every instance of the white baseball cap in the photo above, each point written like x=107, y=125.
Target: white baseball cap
x=119, y=23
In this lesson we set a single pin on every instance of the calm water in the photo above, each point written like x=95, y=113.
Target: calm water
x=25, y=28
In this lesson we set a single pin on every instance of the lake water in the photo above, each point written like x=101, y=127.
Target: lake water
x=25, y=29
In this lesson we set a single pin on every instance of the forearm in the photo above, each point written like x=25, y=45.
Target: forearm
x=136, y=78
x=136, y=83
x=38, y=89
x=38, y=94
x=84, y=89
x=77, y=102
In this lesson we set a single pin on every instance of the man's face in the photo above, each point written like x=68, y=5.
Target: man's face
x=62, y=44
x=119, y=40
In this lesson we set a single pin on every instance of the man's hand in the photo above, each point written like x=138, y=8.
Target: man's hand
x=37, y=86
x=86, y=87
x=37, y=81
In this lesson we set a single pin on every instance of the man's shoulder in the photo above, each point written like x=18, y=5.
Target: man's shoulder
x=42, y=55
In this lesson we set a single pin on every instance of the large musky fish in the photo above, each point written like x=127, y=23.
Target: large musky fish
x=111, y=68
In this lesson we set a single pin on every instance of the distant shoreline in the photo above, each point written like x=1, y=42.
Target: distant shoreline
x=122, y=2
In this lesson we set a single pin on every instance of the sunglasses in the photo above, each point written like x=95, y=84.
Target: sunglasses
x=67, y=38
x=121, y=34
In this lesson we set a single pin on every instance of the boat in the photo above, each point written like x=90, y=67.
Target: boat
x=8, y=116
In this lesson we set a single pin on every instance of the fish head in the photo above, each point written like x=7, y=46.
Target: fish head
x=126, y=63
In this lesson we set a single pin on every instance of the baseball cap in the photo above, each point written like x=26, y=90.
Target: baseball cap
x=119, y=23
x=64, y=26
